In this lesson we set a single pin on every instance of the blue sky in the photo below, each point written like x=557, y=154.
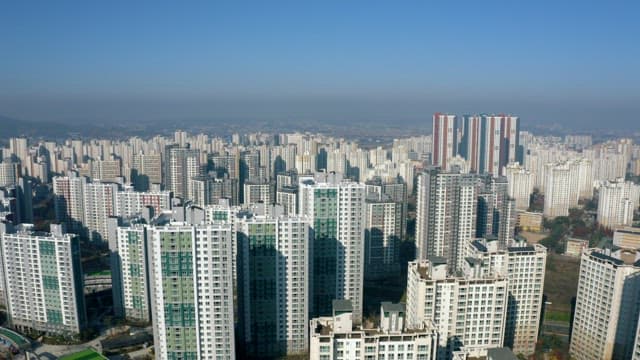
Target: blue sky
x=573, y=61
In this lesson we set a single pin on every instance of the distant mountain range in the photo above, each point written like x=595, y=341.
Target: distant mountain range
x=10, y=127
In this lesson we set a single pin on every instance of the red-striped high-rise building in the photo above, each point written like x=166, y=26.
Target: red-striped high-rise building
x=445, y=139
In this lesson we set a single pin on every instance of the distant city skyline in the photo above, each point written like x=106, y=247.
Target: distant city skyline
x=546, y=62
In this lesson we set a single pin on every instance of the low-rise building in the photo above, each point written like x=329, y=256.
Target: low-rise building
x=627, y=237
x=575, y=247
x=529, y=221
x=500, y=353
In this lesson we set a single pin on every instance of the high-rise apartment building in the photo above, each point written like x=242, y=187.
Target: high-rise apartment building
x=249, y=169
x=336, y=211
x=392, y=189
x=383, y=235
x=445, y=140
x=273, y=284
x=19, y=148
x=99, y=204
x=606, y=311
x=227, y=164
x=496, y=215
x=146, y=171
x=192, y=291
x=617, y=202
x=130, y=203
x=42, y=279
x=105, y=170
x=581, y=169
x=523, y=266
x=335, y=337
x=520, y=182
x=337, y=161
x=306, y=162
x=446, y=215
x=68, y=192
x=489, y=142
x=8, y=173
x=130, y=270
x=559, y=196
x=468, y=310
x=206, y=190
x=257, y=192
x=182, y=165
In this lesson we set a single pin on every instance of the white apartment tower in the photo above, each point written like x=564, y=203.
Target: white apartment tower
x=130, y=203
x=468, y=310
x=68, y=202
x=617, y=202
x=336, y=212
x=257, y=192
x=42, y=279
x=192, y=291
x=584, y=174
x=520, y=185
x=335, y=337
x=287, y=196
x=606, y=311
x=8, y=173
x=523, y=266
x=99, y=205
x=558, y=192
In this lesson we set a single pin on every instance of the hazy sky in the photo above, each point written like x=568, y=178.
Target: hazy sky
x=559, y=61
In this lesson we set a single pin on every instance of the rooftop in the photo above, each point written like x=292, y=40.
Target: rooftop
x=437, y=260
x=342, y=305
x=521, y=248
x=479, y=245
x=502, y=353
x=473, y=261
x=389, y=306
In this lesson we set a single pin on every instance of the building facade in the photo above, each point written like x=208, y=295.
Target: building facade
x=273, y=284
x=468, y=310
x=606, y=311
x=336, y=211
x=446, y=214
x=192, y=291
x=43, y=280
x=335, y=337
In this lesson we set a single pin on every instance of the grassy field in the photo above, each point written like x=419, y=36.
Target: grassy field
x=561, y=284
x=88, y=354
x=557, y=316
